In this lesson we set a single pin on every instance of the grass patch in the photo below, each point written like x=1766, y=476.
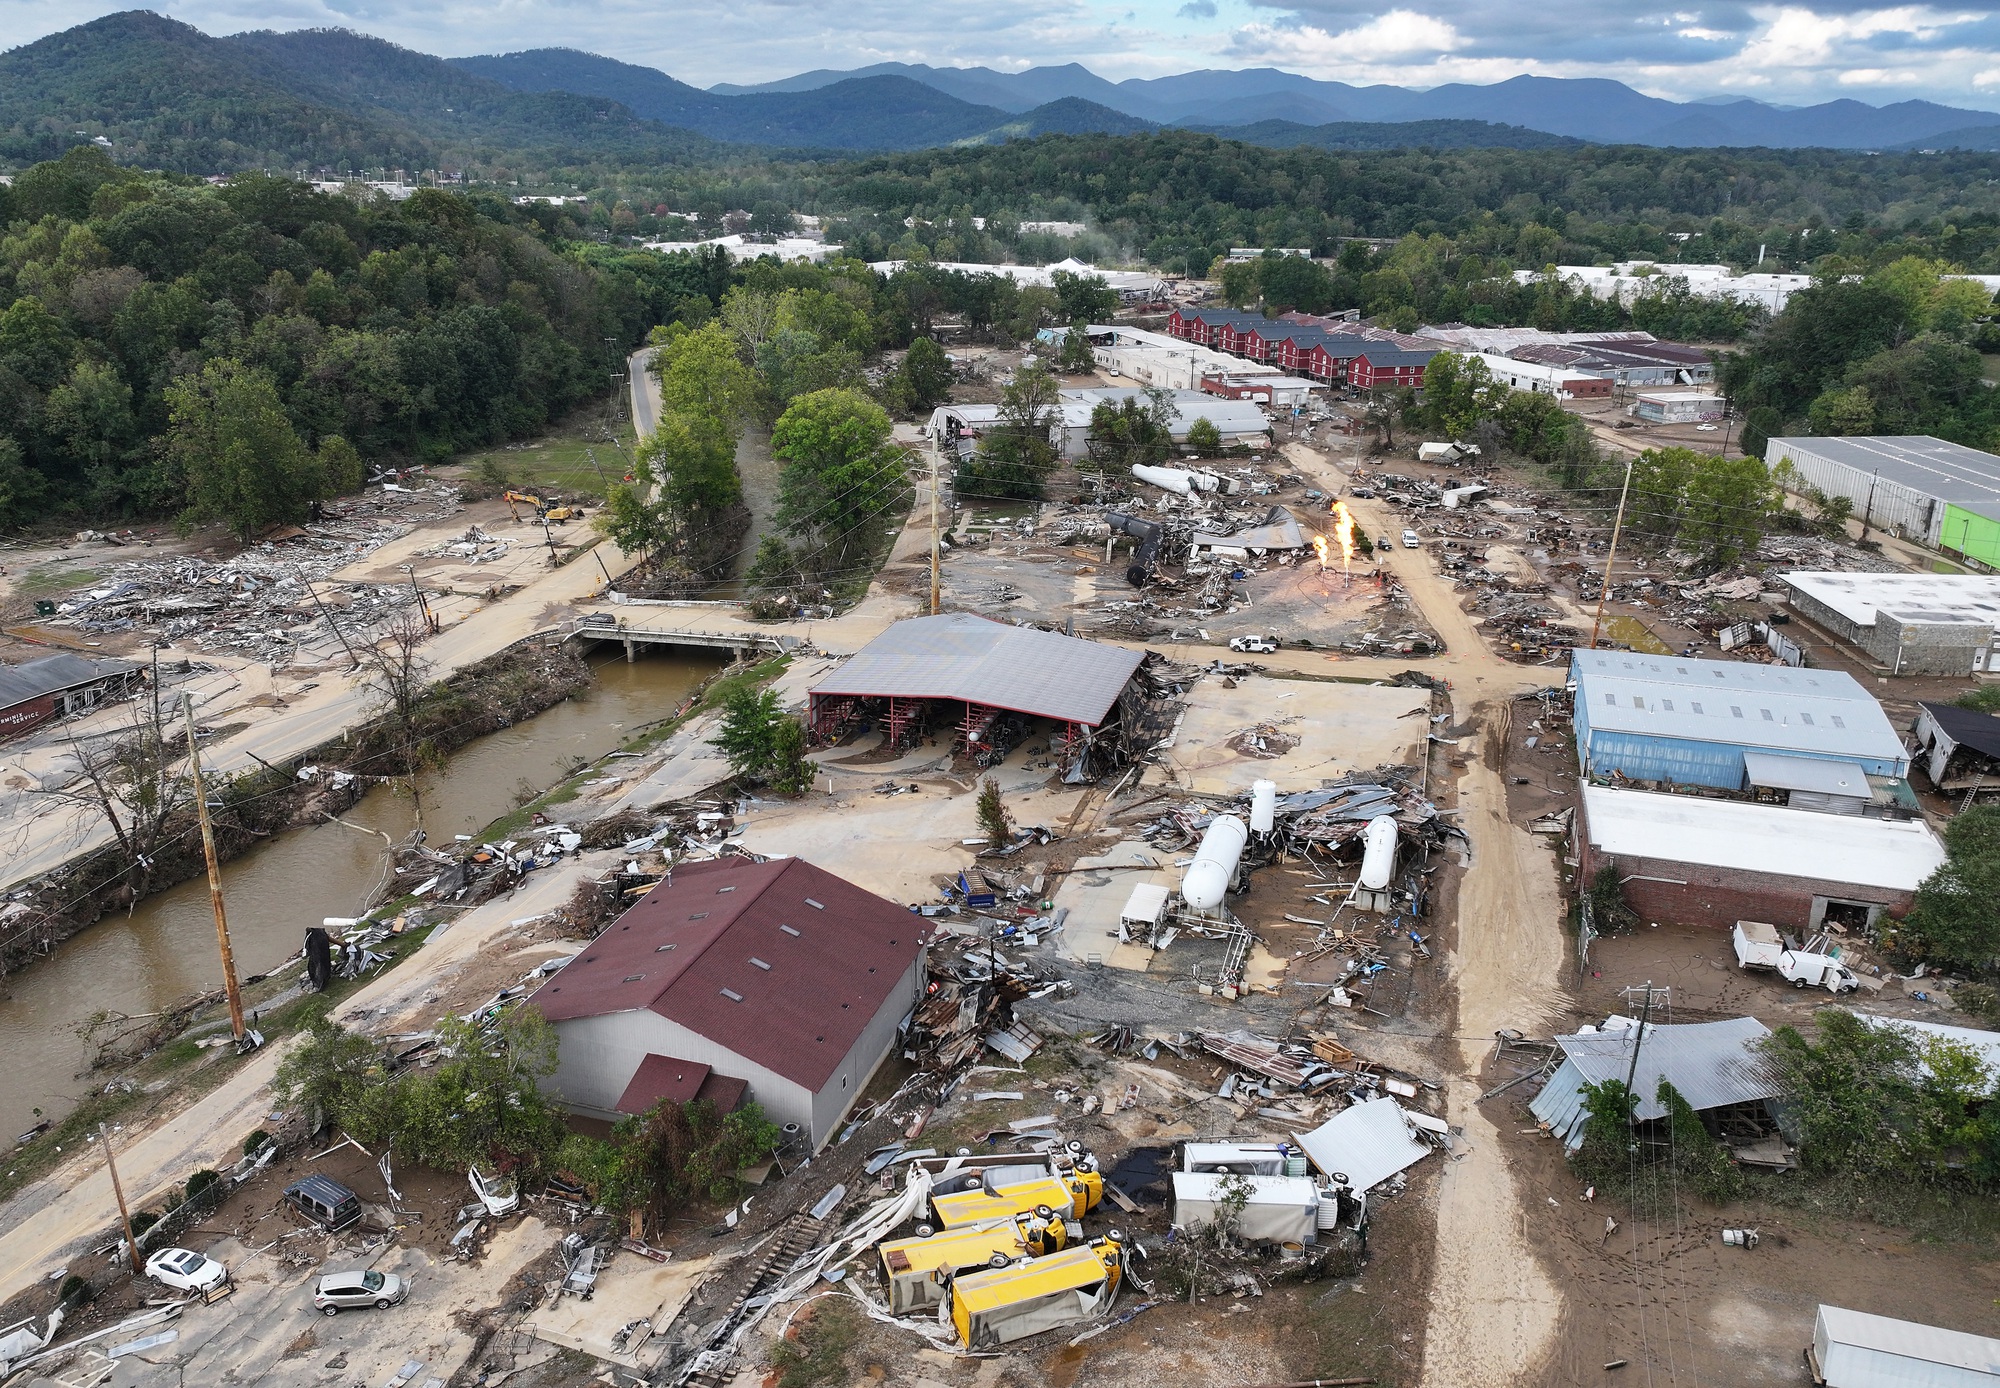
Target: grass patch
x=40, y=583
x=1930, y=1214
x=816, y=1352
x=578, y=461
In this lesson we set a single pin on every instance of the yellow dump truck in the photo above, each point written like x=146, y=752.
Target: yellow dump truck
x=919, y=1268
x=1004, y=1304
x=1075, y=1193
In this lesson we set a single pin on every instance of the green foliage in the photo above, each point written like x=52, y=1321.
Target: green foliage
x=1955, y=919
x=1458, y=393
x=1131, y=432
x=1018, y=453
x=1888, y=1102
x=254, y=1143
x=841, y=475
x=75, y=1291
x=1084, y=298
x=1700, y=1162
x=1984, y=699
x=1981, y=1000
x=993, y=818
x=481, y=1100
x=1203, y=437
x=1716, y=507
x=926, y=376
x=764, y=744
x=1076, y=357
x=228, y=435
x=1607, y=1129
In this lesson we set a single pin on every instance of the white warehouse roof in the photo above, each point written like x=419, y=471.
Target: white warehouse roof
x=1777, y=707
x=1926, y=465
x=1895, y=854
x=1925, y=597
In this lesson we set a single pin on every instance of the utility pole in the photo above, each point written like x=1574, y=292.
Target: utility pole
x=1616, y=528
x=1638, y=1038
x=935, y=542
x=229, y=988
x=131, y=1242
x=1868, y=509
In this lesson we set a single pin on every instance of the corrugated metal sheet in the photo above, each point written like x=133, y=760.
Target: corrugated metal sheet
x=1776, y=708
x=961, y=656
x=1822, y=774
x=1710, y=1063
x=1367, y=1143
x=1859, y=1350
x=50, y=674
x=1560, y=1105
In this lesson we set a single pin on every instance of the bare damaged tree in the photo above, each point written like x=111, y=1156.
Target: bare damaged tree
x=397, y=671
x=134, y=780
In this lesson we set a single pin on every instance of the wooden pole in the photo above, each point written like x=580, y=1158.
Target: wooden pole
x=131, y=1242
x=934, y=530
x=229, y=987
x=1617, y=528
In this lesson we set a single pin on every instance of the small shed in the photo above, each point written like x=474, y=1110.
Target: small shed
x=1280, y=1209
x=1809, y=783
x=1853, y=1349
x=1959, y=748
x=1713, y=1065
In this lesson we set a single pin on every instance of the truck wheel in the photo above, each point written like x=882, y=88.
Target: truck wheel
x=1798, y=983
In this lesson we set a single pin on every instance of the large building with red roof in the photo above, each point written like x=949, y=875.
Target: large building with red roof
x=775, y=983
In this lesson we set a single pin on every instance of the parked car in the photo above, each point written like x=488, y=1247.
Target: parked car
x=1260, y=645
x=326, y=1203
x=1410, y=539
x=185, y=1270
x=338, y=1291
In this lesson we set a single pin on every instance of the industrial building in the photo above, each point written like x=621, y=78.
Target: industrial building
x=1714, y=1066
x=57, y=686
x=1925, y=490
x=1707, y=861
x=1560, y=382
x=1678, y=407
x=1958, y=748
x=1277, y=391
x=1907, y=623
x=1336, y=351
x=1691, y=722
x=972, y=680
x=774, y=982
x=1155, y=359
x=1135, y=288
x=1628, y=359
x=957, y=429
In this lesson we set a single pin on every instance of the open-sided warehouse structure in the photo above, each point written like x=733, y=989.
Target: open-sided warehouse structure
x=56, y=686
x=779, y=978
x=1958, y=748
x=1911, y=624
x=1666, y=718
x=969, y=673
x=1852, y=1349
x=1714, y=862
x=1713, y=1065
x=1936, y=493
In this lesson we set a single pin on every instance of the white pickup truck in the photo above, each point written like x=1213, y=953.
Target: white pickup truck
x=1759, y=946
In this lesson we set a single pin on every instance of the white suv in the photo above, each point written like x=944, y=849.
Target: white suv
x=338, y=1290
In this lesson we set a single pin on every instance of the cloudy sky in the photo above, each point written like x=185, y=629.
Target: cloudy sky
x=1792, y=53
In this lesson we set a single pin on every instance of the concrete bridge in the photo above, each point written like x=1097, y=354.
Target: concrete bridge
x=729, y=634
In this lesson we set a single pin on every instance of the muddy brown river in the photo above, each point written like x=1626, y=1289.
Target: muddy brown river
x=165, y=950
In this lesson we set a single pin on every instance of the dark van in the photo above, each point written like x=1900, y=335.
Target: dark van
x=326, y=1203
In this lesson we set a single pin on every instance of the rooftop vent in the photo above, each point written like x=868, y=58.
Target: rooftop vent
x=732, y=995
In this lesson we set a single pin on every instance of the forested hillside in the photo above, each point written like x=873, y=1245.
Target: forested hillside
x=153, y=330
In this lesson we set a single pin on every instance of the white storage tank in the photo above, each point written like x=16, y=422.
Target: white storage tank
x=1378, y=853
x=1263, y=806
x=1214, y=867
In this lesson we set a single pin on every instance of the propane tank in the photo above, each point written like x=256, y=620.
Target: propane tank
x=1263, y=806
x=1378, y=852
x=1214, y=866
x=1173, y=479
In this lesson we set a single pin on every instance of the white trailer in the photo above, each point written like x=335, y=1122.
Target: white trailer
x=1852, y=1349
x=1280, y=1209
x=1758, y=946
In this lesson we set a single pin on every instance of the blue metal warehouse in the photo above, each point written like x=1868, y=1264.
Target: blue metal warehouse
x=1664, y=718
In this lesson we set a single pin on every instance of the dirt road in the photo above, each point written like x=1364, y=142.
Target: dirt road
x=1494, y=1309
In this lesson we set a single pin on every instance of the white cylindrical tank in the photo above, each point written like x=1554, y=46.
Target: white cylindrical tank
x=1263, y=806
x=1378, y=852
x=1177, y=480
x=1214, y=866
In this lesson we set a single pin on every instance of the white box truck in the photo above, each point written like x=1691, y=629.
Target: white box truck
x=1759, y=946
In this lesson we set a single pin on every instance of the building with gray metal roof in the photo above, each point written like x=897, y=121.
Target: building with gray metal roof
x=1670, y=718
x=56, y=686
x=1712, y=1065
x=1908, y=623
x=1903, y=483
x=987, y=667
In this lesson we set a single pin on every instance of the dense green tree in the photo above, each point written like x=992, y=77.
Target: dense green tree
x=243, y=463
x=841, y=472
x=764, y=744
x=1203, y=438
x=1459, y=392
x=1076, y=357
x=1084, y=298
x=1018, y=453
x=926, y=375
x=1955, y=920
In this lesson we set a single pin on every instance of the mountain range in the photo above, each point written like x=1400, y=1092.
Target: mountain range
x=167, y=95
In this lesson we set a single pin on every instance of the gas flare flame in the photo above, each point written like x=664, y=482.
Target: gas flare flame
x=1320, y=548
x=1343, y=532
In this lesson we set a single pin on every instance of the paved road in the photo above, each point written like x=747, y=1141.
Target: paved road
x=645, y=388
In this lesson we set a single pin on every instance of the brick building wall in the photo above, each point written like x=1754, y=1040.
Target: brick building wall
x=1695, y=894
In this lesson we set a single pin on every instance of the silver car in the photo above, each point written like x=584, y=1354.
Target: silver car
x=337, y=1291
